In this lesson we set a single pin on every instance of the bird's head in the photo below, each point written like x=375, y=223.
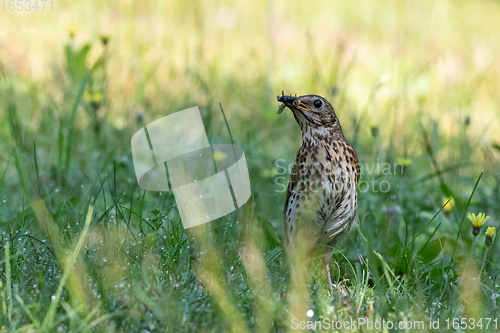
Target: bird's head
x=312, y=112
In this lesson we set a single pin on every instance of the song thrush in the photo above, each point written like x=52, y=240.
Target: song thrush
x=322, y=191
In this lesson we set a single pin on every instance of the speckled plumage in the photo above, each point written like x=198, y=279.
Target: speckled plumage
x=322, y=191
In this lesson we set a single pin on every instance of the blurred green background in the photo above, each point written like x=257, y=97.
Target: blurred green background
x=415, y=84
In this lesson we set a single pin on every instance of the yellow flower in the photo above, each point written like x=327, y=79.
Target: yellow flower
x=268, y=173
x=403, y=161
x=96, y=97
x=72, y=31
x=477, y=222
x=219, y=156
x=448, y=204
x=490, y=232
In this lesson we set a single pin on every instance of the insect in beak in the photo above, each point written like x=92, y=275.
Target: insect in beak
x=291, y=101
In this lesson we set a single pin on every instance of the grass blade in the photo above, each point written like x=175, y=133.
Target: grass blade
x=47, y=323
x=71, y=127
x=8, y=279
x=463, y=219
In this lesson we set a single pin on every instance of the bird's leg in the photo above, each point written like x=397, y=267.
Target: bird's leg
x=326, y=261
x=327, y=269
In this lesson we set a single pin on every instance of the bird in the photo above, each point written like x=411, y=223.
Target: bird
x=322, y=190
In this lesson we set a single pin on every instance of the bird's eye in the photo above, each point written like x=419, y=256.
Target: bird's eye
x=318, y=103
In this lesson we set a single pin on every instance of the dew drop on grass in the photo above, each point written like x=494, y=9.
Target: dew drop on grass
x=53, y=297
x=310, y=313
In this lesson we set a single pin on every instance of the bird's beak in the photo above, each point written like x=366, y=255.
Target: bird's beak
x=292, y=102
x=302, y=106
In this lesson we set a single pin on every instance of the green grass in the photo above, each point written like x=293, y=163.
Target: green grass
x=84, y=249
